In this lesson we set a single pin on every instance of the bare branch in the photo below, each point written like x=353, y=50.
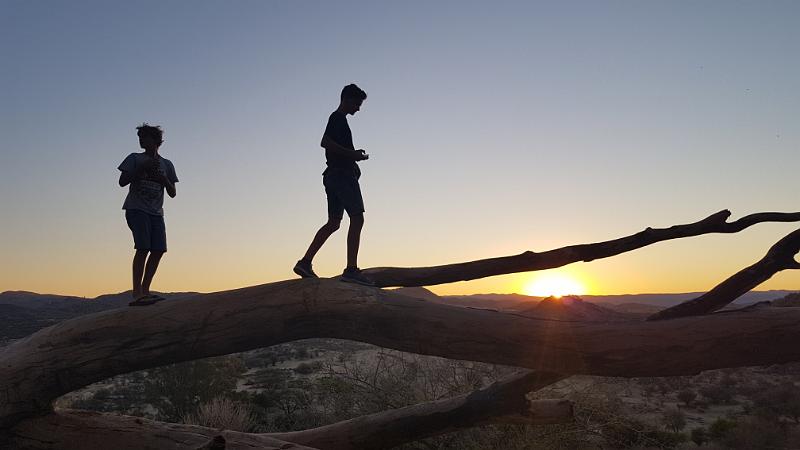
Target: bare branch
x=530, y=261
x=779, y=257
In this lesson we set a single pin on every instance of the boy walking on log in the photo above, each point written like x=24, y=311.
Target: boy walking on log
x=341, y=187
x=147, y=174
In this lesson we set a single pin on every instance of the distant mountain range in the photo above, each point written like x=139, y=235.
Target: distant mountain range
x=605, y=307
x=559, y=308
x=631, y=302
x=23, y=313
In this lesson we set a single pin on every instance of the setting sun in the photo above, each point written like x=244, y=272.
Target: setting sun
x=556, y=285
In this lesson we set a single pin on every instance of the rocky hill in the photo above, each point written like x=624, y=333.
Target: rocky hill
x=572, y=307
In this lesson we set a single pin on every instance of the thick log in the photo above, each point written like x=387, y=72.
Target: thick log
x=88, y=430
x=502, y=402
x=529, y=261
x=779, y=257
x=77, y=352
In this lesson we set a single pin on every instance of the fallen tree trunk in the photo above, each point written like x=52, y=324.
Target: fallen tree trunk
x=88, y=430
x=529, y=261
x=502, y=402
x=77, y=352
x=779, y=257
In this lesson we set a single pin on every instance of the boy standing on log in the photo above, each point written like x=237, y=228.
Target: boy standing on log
x=148, y=175
x=341, y=187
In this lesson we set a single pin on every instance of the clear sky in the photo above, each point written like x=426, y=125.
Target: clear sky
x=493, y=128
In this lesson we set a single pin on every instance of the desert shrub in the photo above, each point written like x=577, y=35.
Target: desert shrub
x=753, y=433
x=270, y=378
x=777, y=402
x=506, y=437
x=604, y=417
x=674, y=419
x=91, y=404
x=687, y=396
x=717, y=394
x=664, y=387
x=102, y=394
x=628, y=433
x=223, y=413
x=289, y=406
x=178, y=389
x=308, y=368
x=720, y=429
x=728, y=380
x=648, y=390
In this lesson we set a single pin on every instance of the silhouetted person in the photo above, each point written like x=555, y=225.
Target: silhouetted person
x=148, y=175
x=341, y=186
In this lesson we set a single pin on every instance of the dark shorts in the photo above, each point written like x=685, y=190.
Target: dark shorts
x=149, y=232
x=344, y=193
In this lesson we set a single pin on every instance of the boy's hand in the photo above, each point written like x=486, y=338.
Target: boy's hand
x=362, y=155
x=149, y=168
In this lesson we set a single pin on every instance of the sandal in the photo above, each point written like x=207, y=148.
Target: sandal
x=145, y=300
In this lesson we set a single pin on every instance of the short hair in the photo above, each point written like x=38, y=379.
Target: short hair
x=153, y=131
x=354, y=92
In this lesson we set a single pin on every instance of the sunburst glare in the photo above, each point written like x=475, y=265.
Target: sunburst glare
x=556, y=285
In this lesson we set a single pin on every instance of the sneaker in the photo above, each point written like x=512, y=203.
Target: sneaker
x=303, y=268
x=354, y=275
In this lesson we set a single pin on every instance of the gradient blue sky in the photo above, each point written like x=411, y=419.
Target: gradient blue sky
x=493, y=128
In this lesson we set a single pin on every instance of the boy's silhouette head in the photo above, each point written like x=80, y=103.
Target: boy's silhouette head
x=150, y=137
x=351, y=99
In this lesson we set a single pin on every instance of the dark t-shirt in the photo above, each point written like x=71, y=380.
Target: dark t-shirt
x=146, y=193
x=339, y=131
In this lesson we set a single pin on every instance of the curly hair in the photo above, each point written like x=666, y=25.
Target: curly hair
x=153, y=131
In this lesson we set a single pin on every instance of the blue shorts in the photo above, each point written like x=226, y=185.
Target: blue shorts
x=149, y=232
x=344, y=193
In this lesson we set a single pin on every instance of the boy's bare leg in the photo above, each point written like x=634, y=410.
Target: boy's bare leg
x=354, y=239
x=138, y=271
x=150, y=271
x=322, y=235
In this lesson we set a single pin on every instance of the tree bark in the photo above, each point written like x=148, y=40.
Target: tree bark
x=529, y=261
x=779, y=257
x=502, y=402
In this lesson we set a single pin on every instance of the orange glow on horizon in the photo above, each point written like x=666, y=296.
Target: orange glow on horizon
x=554, y=284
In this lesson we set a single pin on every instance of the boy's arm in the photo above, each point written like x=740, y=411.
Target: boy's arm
x=168, y=179
x=125, y=178
x=168, y=185
x=331, y=145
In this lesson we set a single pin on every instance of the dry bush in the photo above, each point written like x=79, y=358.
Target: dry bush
x=223, y=413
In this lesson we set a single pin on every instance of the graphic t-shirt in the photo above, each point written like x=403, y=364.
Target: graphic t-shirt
x=339, y=131
x=146, y=193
